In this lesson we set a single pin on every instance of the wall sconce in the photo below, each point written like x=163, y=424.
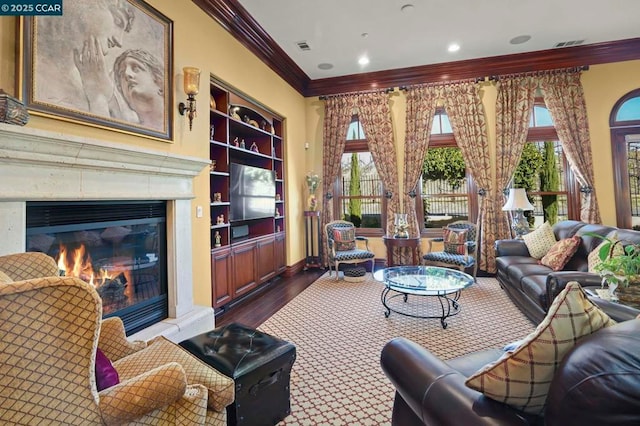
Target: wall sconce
x=191, y=88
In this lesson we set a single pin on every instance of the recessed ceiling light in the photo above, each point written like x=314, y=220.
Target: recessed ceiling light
x=407, y=8
x=520, y=39
x=325, y=66
x=453, y=47
x=363, y=60
x=364, y=35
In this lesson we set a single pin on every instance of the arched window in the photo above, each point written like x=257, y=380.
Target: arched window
x=447, y=191
x=359, y=189
x=624, y=122
x=545, y=172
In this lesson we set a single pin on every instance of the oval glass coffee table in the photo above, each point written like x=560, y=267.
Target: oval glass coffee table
x=442, y=284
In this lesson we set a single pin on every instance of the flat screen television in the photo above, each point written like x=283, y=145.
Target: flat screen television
x=253, y=192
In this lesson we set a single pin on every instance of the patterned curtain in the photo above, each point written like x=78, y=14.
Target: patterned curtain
x=466, y=113
x=337, y=117
x=514, y=104
x=375, y=115
x=565, y=100
x=421, y=108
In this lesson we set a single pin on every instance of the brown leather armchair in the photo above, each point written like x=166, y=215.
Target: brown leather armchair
x=598, y=382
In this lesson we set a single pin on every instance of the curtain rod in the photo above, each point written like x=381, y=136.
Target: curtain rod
x=387, y=90
x=540, y=72
x=444, y=83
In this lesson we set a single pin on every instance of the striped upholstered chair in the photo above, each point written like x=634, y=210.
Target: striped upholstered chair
x=342, y=243
x=50, y=328
x=460, y=241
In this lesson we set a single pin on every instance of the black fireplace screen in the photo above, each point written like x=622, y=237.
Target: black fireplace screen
x=119, y=247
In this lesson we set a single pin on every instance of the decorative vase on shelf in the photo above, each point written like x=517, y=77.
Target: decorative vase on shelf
x=401, y=225
x=312, y=202
x=313, y=180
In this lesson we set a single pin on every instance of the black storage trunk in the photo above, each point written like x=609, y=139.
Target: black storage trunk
x=259, y=364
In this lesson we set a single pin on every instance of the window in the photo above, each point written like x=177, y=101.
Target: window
x=625, y=147
x=359, y=190
x=447, y=192
x=545, y=173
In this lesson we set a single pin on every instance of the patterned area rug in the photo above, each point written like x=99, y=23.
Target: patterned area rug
x=339, y=329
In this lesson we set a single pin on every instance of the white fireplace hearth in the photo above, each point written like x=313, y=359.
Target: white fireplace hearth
x=37, y=165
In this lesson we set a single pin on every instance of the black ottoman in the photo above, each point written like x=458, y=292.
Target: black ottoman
x=355, y=274
x=259, y=364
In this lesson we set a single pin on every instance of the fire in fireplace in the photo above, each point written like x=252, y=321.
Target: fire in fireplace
x=118, y=247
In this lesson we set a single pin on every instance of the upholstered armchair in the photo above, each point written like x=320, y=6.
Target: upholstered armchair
x=23, y=266
x=342, y=244
x=51, y=328
x=460, y=242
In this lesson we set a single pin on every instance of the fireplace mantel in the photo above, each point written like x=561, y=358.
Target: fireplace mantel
x=39, y=165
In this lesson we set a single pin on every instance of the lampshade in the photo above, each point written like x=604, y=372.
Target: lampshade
x=191, y=80
x=517, y=200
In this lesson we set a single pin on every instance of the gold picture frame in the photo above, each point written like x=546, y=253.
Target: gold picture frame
x=106, y=64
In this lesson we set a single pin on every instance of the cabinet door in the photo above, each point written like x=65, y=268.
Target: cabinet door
x=221, y=276
x=280, y=249
x=244, y=268
x=266, y=259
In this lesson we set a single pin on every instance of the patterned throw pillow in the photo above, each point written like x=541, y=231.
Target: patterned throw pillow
x=561, y=253
x=344, y=239
x=540, y=241
x=521, y=377
x=593, y=259
x=106, y=374
x=453, y=240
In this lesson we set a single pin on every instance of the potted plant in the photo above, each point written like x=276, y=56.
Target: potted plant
x=619, y=266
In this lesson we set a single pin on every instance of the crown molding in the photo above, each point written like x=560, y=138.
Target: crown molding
x=615, y=51
x=235, y=19
x=239, y=23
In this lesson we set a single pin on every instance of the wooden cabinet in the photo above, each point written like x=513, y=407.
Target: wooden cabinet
x=244, y=133
x=280, y=248
x=221, y=277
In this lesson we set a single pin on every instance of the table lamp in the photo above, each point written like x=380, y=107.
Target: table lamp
x=518, y=203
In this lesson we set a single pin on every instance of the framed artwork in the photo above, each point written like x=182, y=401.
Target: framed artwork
x=103, y=63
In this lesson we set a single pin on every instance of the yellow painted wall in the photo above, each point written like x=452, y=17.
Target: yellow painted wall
x=603, y=86
x=199, y=41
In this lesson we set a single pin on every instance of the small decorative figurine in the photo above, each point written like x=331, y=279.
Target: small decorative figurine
x=217, y=197
x=254, y=147
x=277, y=197
x=278, y=228
x=218, y=240
x=220, y=220
x=263, y=125
x=242, y=145
x=212, y=132
x=246, y=119
x=277, y=212
x=212, y=166
x=236, y=142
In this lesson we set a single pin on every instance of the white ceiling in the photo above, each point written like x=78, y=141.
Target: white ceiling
x=420, y=36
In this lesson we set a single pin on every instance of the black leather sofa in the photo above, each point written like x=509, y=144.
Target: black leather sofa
x=430, y=391
x=532, y=287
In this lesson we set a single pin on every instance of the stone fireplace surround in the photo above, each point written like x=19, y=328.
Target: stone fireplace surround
x=38, y=165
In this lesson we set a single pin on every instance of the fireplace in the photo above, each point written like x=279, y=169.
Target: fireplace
x=50, y=167
x=117, y=246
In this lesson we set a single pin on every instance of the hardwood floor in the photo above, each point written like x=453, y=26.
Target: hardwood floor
x=256, y=309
